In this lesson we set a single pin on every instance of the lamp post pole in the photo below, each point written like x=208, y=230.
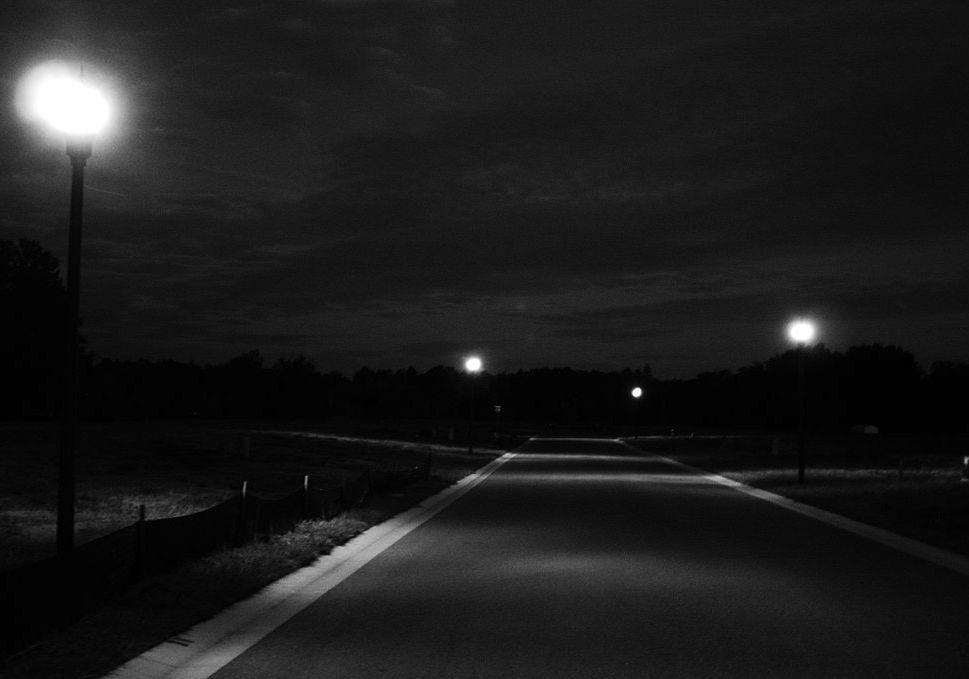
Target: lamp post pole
x=473, y=366
x=51, y=93
x=637, y=394
x=802, y=333
x=801, y=411
x=471, y=419
x=79, y=150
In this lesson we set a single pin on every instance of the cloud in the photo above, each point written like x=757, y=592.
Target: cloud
x=612, y=167
x=831, y=300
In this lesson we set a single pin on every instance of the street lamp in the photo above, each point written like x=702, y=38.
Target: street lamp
x=801, y=332
x=78, y=111
x=636, y=393
x=473, y=366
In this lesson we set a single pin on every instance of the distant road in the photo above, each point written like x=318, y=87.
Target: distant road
x=584, y=558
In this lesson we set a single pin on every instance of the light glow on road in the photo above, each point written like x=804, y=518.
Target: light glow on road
x=54, y=95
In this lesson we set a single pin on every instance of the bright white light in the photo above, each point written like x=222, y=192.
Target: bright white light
x=801, y=331
x=473, y=364
x=636, y=392
x=53, y=94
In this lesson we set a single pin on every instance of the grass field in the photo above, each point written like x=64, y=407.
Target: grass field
x=161, y=606
x=910, y=485
x=175, y=468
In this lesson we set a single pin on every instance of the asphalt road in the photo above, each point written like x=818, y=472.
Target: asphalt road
x=587, y=559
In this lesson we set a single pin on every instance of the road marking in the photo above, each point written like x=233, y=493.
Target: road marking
x=936, y=555
x=206, y=648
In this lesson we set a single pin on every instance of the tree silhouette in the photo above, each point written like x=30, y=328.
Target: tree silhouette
x=32, y=315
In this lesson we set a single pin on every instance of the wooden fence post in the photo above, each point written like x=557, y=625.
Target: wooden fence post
x=243, y=536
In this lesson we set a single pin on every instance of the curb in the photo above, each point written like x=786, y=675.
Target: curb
x=207, y=647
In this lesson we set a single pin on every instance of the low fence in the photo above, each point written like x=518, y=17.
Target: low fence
x=41, y=597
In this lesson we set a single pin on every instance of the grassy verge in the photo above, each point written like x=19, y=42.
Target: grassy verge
x=161, y=606
x=176, y=468
x=173, y=468
x=906, y=489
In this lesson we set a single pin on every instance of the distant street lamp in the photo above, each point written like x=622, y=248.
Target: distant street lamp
x=473, y=366
x=801, y=332
x=79, y=112
x=637, y=393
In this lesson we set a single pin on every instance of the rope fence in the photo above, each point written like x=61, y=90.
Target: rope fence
x=41, y=597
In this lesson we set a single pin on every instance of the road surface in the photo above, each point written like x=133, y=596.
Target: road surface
x=585, y=558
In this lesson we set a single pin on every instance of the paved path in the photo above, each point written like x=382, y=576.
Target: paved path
x=587, y=559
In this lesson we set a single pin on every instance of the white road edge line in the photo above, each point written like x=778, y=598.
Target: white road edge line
x=936, y=555
x=204, y=649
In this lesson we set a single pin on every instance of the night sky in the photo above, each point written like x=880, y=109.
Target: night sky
x=592, y=184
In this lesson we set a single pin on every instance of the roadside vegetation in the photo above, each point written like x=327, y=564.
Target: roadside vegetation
x=174, y=468
x=177, y=468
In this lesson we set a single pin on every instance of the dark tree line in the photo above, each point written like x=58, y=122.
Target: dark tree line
x=870, y=384
x=33, y=312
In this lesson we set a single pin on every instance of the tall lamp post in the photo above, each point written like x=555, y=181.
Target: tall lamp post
x=801, y=332
x=473, y=366
x=636, y=393
x=79, y=112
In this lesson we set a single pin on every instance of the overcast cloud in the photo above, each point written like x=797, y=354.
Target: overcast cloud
x=592, y=184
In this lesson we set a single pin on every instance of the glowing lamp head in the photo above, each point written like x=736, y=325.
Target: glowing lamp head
x=801, y=331
x=473, y=365
x=62, y=100
x=636, y=392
